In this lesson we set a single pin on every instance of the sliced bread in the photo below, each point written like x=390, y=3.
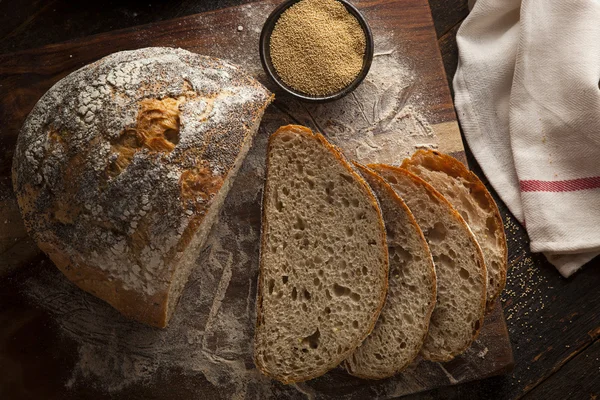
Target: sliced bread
x=323, y=262
x=460, y=269
x=472, y=200
x=404, y=320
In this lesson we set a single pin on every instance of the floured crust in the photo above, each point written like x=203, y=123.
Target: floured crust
x=436, y=161
x=458, y=219
x=301, y=130
x=401, y=205
x=119, y=167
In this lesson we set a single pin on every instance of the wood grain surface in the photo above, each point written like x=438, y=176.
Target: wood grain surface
x=408, y=30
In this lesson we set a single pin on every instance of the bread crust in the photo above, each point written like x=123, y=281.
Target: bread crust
x=120, y=167
x=480, y=262
x=402, y=205
x=302, y=130
x=436, y=161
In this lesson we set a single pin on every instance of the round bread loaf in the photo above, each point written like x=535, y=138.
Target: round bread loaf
x=121, y=167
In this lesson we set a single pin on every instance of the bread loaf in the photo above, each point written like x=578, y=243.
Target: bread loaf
x=404, y=320
x=323, y=262
x=459, y=265
x=121, y=167
x=475, y=204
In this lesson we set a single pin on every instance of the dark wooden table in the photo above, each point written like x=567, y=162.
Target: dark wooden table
x=554, y=323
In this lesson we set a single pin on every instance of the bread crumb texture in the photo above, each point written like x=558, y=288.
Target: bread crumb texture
x=323, y=259
x=317, y=47
x=402, y=326
x=461, y=276
x=119, y=162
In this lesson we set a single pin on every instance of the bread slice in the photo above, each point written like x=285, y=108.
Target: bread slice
x=460, y=269
x=404, y=320
x=324, y=260
x=471, y=199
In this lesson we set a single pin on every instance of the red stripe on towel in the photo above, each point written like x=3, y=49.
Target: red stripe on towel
x=570, y=185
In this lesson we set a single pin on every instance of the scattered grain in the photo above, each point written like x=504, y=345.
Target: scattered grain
x=317, y=47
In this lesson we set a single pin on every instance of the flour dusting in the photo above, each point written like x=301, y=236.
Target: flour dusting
x=379, y=121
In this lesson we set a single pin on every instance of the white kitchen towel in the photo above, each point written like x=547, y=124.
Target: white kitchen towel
x=527, y=92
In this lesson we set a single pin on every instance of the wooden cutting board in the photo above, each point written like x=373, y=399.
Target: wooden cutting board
x=63, y=343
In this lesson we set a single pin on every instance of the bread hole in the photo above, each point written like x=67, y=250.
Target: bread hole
x=399, y=254
x=355, y=324
x=480, y=198
x=304, y=307
x=361, y=215
x=355, y=297
x=312, y=341
x=463, y=273
x=300, y=224
x=354, y=202
x=344, y=275
x=305, y=243
x=286, y=137
x=329, y=200
x=294, y=294
x=378, y=356
x=327, y=310
x=317, y=259
x=408, y=318
x=285, y=190
x=472, y=281
x=347, y=178
x=300, y=168
x=328, y=294
x=310, y=172
x=346, y=307
x=329, y=188
x=317, y=281
x=445, y=261
x=365, y=270
x=329, y=249
x=271, y=286
x=371, y=242
x=391, y=179
x=321, y=273
x=403, y=345
x=306, y=294
x=452, y=253
x=349, y=231
x=298, y=235
x=311, y=183
x=345, y=202
x=284, y=279
x=437, y=233
x=339, y=290
x=339, y=349
x=476, y=325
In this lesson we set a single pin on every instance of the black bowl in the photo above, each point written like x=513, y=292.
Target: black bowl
x=265, y=54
